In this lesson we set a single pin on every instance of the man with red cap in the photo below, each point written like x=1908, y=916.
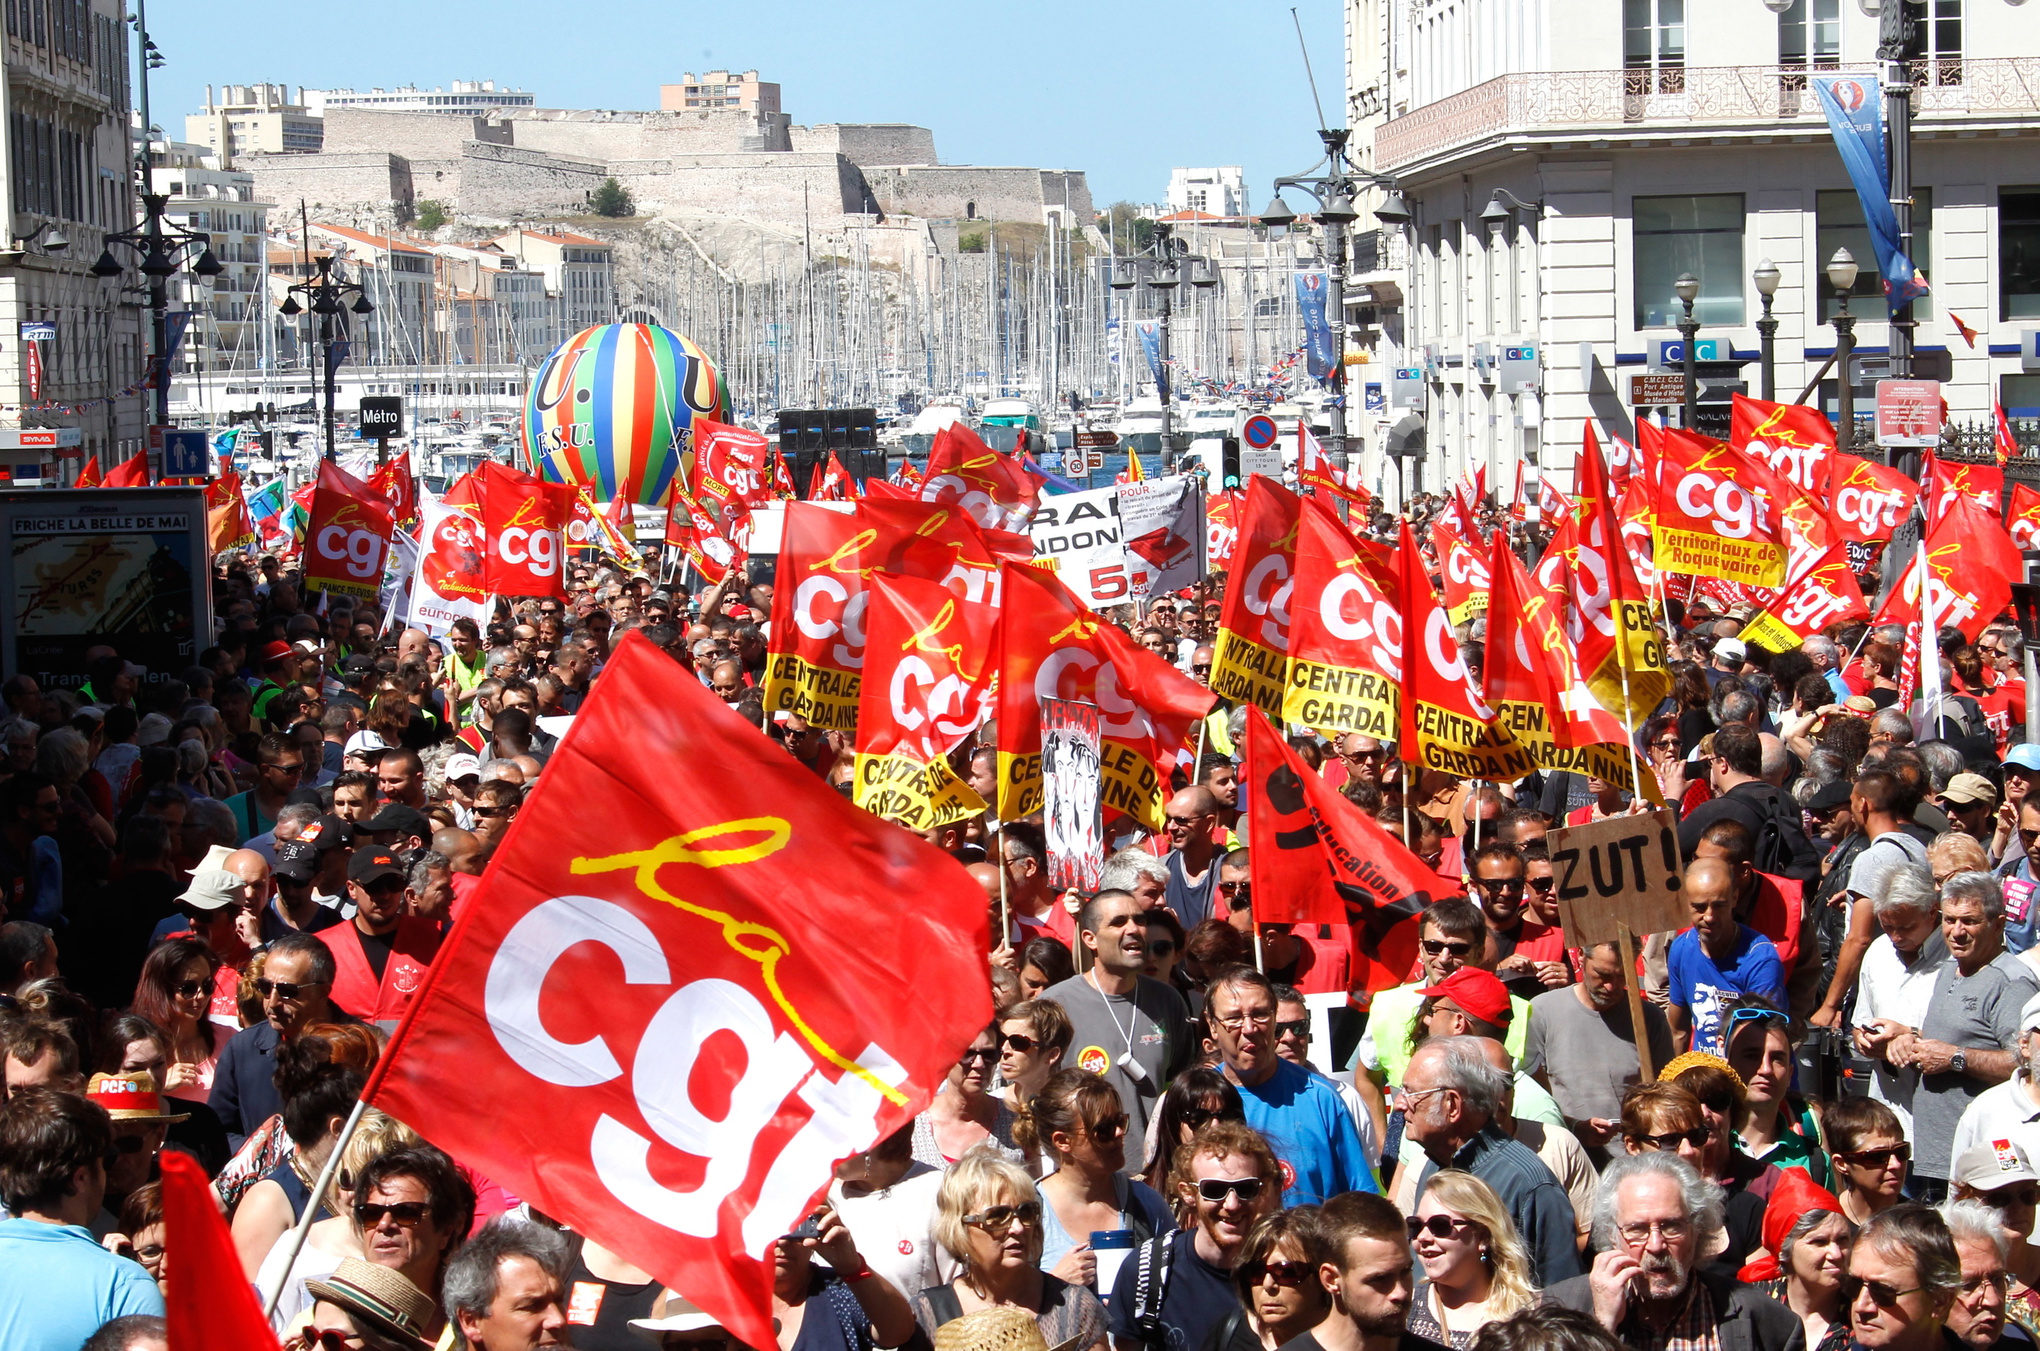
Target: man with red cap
x=381, y=957
x=278, y=663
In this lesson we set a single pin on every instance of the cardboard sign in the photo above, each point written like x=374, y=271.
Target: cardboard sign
x=1071, y=812
x=1625, y=870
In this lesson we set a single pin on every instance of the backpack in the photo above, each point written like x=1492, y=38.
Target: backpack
x=1781, y=847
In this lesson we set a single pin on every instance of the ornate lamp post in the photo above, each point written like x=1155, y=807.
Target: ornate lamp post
x=323, y=294
x=1687, y=289
x=1841, y=274
x=1766, y=278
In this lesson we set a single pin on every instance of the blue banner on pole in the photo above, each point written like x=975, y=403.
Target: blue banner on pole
x=1151, y=343
x=1311, y=291
x=1854, y=105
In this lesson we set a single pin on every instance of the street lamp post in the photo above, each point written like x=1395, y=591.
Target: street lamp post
x=323, y=294
x=1766, y=277
x=1162, y=270
x=1333, y=191
x=1841, y=274
x=1687, y=289
x=1895, y=27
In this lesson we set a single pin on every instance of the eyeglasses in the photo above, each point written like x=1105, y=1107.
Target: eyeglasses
x=1107, y=1130
x=1439, y=1226
x=1881, y=1294
x=984, y=1053
x=1291, y=1274
x=1232, y=888
x=1025, y=1215
x=1300, y=1029
x=188, y=988
x=1753, y=1014
x=1636, y=1235
x=332, y=1339
x=1411, y=1097
x=1016, y=1041
x=292, y=770
x=1200, y=669
x=124, y=1144
x=1218, y=1188
x=1375, y=754
x=1673, y=1139
x=284, y=989
x=368, y=1214
x=1717, y=1102
x=1666, y=743
x=1878, y=1158
x=1235, y=1022
x=1997, y=1280
x=1434, y=947
x=491, y=813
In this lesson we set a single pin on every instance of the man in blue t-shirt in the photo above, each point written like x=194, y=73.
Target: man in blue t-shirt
x=1717, y=963
x=1299, y=1113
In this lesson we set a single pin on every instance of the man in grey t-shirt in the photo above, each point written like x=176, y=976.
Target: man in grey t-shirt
x=1132, y=1031
x=1581, y=1047
x=1971, y=1021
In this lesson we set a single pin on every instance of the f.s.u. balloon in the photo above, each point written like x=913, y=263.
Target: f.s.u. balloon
x=613, y=409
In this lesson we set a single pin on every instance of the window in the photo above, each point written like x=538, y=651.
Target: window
x=2019, y=253
x=1839, y=225
x=1937, y=40
x=1701, y=235
x=1811, y=30
x=1654, y=45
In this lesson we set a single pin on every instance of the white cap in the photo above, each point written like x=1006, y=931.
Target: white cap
x=1990, y=1164
x=678, y=1314
x=462, y=767
x=364, y=741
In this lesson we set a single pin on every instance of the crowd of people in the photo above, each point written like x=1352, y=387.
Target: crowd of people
x=1184, y=1129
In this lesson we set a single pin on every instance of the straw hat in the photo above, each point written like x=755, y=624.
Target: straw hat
x=130, y=1097
x=382, y=1297
x=1000, y=1329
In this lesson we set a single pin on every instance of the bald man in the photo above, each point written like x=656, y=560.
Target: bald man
x=1718, y=963
x=1191, y=817
x=413, y=643
x=253, y=870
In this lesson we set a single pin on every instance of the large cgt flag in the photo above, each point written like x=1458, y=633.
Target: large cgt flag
x=994, y=489
x=927, y=685
x=1052, y=647
x=1822, y=593
x=655, y=1025
x=1315, y=858
x=1866, y=501
x=1444, y=723
x=1972, y=561
x=1250, y=657
x=524, y=521
x=1797, y=442
x=347, y=534
x=2022, y=517
x=734, y=457
x=1346, y=638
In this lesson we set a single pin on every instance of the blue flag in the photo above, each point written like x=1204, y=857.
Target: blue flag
x=1150, y=331
x=1317, y=333
x=1854, y=105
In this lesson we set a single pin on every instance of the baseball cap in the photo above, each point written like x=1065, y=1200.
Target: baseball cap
x=327, y=833
x=1970, y=789
x=212, y=889
x=1989, y=1164
x=2024, y=756
x=462, y=767
x=372, y=865
x=1477, y=992
x=1734, y=649
x=404, y=820
x=2029, y=1017
x=358, y=664
x=275, y=651
x=296, y=861
x=366, y=743
x=1829, y=796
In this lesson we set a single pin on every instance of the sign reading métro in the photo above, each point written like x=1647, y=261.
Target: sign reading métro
x=382, y=416
x=1259, y=431
x=1908, y=412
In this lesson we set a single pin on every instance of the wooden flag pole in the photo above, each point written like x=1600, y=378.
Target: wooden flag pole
x=1625, y=948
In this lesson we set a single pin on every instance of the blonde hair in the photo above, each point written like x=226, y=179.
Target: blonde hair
x=378, y=1134
x=978, y=1177
x=1510, y=1285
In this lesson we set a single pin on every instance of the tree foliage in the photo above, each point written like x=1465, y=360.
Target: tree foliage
x=431, y=215
x=612, y=199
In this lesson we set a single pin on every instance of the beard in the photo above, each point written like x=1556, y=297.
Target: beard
x=1387, y=1320
x=1665, y=1276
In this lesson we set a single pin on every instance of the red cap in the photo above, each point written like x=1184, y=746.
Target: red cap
x=1476, y=992
x=277, y=651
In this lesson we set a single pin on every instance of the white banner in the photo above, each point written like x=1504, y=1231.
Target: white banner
x=1124, y=543
x=450, y=544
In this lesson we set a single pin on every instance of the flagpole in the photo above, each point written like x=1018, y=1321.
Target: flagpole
x=312, y=1203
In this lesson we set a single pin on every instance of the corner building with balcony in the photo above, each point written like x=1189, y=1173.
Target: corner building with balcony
x=1644, y=139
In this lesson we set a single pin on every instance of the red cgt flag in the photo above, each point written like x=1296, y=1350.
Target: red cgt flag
x=1250, y=662
x=89, y=476
x=1972, y=562
x=1445, y=725
x=993, y=488
x=347, y=534
x=1315, y=858
x=393, y=481
x=1824, y=593
x=1866, y=501
x=655, y=1025
x=129, y=473
x=928, y=673
x=1796, y=441
x=1221, y=524
x=206, y=1301
x=2022, y=517
x=733, y=457
x=525, y=521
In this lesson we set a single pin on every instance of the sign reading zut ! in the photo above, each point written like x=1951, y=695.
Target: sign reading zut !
x=692, y=1113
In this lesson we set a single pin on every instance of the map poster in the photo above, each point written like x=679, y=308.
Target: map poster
x=1070, y=812
x=120, y=567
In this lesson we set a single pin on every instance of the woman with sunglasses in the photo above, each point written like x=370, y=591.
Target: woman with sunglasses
x=1746, y=1184
x=1475, y=1269
x=965, y=1112
x=175, y=993
x=1034, y=1035
x=1165, y=944
x=1078, y=1121
x=1663, y=1117
x=1195, y=1097
x=1869, y=1155
x=1281, y=1297
x=989, y=1218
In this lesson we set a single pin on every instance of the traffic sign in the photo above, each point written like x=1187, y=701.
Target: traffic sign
x=1098, y=438
x=1259, y=432
x=1656, y=391
x=382, y=416
x=186, y=454
x=1908, y=412
x=1266, y=463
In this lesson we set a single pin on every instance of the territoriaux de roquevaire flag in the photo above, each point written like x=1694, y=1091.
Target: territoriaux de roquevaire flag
x=816, y=651
x=1051, y=646
x=668, y=1012
x=1316, y=858
x=927, y=684
x=1719, y=511
x=1250, y=656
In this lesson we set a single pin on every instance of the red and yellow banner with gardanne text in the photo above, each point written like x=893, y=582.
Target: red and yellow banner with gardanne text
x=1250, y=656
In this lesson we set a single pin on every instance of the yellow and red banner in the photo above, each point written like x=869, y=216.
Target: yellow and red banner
x=1346, y=637
x=927, y=684
x=1822, y=593
x=1445, y=725
x=1250, y=657
x=1463, y=570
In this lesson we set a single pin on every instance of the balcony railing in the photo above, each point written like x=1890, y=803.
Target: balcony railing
x=1601, y=103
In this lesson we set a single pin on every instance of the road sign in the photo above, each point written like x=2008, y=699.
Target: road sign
x=1656, y=391
x=1259, y=432
x=186, y=454
x=1908, y=412
x=1099, y=438
x=1520, y=368
x=382, y=416
x=1267, y=463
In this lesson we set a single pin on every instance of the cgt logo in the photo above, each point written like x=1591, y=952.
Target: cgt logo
x=1078, y=673
x=1265, y=592
x=1736, y=513
x=1351, y=609
x=1873, y=511
x=357, y=550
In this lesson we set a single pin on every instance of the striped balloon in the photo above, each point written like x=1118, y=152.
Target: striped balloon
x=613, y=409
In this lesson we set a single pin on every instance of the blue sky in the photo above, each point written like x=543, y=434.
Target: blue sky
x=1108, y=88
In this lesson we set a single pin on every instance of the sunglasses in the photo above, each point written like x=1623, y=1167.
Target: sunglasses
x=368, y=1214
x=1881, y=1294
x=1540, y=884
x=1163, y=948
x=1188, y=821
x=1435, y=947
x=188, y=988
x=123, y=1144
x=1027, y=1214
x=984, y=1053
x=2016, y=1195
x=1291, y=1274
x=1218, y=1188
x=1672, y=1140
x=1438, y=1226
x=1016, y=1041
x=284, y=989
x=331, y=1339
x=1195, y=1117
x=1108, y=1130
x=1878, y=1158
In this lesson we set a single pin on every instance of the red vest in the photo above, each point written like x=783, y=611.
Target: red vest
x=355, y=987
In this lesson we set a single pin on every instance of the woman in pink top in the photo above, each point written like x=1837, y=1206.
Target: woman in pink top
x=175, y=993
